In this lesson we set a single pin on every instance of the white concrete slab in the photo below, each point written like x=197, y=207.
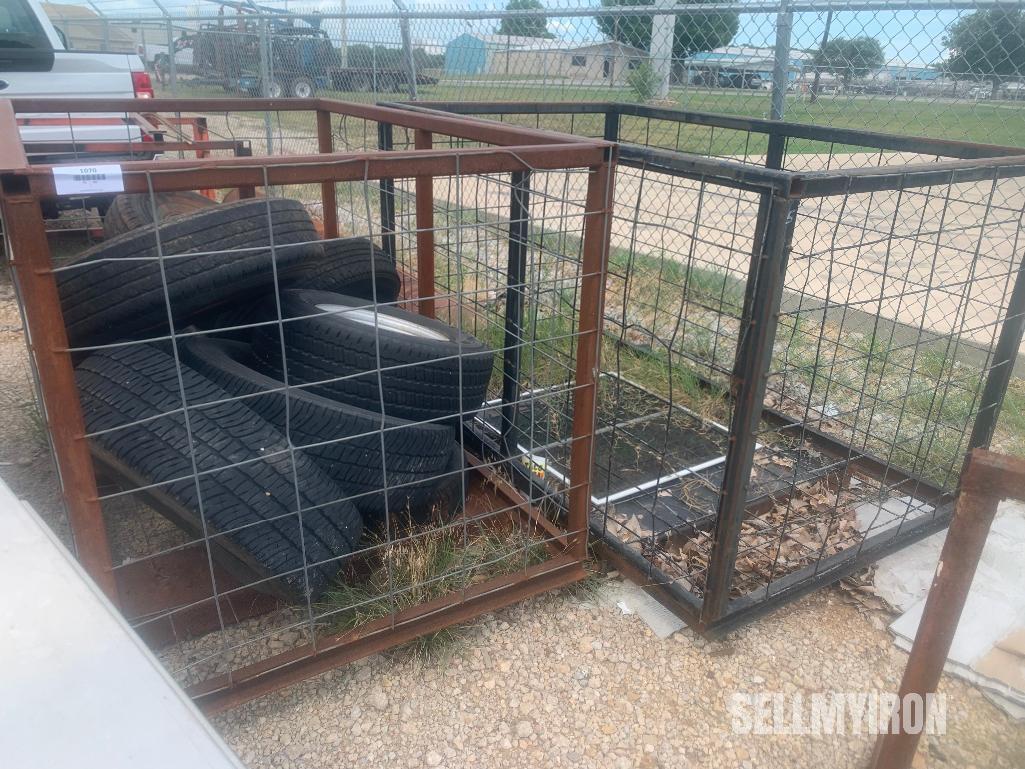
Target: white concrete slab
x=989, y=646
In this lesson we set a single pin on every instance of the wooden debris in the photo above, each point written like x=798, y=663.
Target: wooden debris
x=795, y=531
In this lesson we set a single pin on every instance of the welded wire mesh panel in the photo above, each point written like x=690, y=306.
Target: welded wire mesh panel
x=315, y=409
x=893, y=305
x=501, y=241
x=882, y=363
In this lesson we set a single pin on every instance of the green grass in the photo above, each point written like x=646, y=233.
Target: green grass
x=986, y=122
x=911, y=403
x=1010, y=433
x=427, y=564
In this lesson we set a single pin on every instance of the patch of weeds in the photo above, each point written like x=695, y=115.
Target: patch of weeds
x=713, y=288
x=588, y=589
x=643, y=82
x=669, y=379
x=1010, y=433
x=425, y=564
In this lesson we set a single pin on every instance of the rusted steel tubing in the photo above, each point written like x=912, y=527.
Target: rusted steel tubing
x=593, y=267
x=48, y=147
x=325, y=144
x=448, y=124
x=175, y=175
x=30, y=259
x=425, y=270
x=987, y=479
x=12, y=154
x=251, y=681
x=474, y=129
x=486, y=131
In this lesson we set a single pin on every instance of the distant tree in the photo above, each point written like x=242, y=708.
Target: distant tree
x=848, y=58
x=987, y=45
x=694, y=31
x=525, y=26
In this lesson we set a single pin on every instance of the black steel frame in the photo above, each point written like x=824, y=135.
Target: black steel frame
x=781, y=193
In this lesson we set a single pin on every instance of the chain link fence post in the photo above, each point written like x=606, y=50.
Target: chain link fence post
x=662, y=28
x=266, y=80
x=407, y=47
x=172, y=70
x=343, y=36
x=781, y=60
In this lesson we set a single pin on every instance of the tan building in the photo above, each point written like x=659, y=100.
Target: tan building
x=537, y=58
x=607, y=62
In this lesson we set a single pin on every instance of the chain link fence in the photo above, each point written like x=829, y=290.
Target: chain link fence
x=943, y=69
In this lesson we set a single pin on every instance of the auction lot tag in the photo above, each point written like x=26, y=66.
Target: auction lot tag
x=84, y=180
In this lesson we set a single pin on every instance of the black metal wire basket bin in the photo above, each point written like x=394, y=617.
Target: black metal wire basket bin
x=805, y=330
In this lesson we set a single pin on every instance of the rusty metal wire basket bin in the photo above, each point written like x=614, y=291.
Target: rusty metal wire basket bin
x=805, y=329
x=221, y=517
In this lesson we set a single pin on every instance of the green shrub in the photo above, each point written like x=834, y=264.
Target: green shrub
x=643, y=82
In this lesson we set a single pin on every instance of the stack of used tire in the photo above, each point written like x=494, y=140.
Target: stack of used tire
x=365, y=433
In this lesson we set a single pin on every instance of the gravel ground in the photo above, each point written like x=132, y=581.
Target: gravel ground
x=567, y=679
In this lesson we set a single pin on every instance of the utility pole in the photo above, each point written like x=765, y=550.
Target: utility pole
x=822, y=46
x=781, y=66
x=663, y=26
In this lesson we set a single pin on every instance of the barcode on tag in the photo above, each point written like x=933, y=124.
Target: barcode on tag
x=87, y=179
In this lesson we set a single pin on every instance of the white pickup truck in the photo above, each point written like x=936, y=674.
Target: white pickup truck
x=34, y=61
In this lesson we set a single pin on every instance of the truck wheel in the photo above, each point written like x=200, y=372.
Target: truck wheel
x=345, y=441
x=130, y=212
x=302, y=88
x=276, y=89
x=428, y=369
x=116, y=291
x=279, y=506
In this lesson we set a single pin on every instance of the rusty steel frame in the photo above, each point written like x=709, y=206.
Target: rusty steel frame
x=128, y=148
x=988, y=478
x=24, y=187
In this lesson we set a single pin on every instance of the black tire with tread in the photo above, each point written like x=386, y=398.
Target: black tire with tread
x=417, y=457
x=354, y=267
x=254, y=503
x=128, y=213
x=421, y=378
x=115, y=291
x=351, y=266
